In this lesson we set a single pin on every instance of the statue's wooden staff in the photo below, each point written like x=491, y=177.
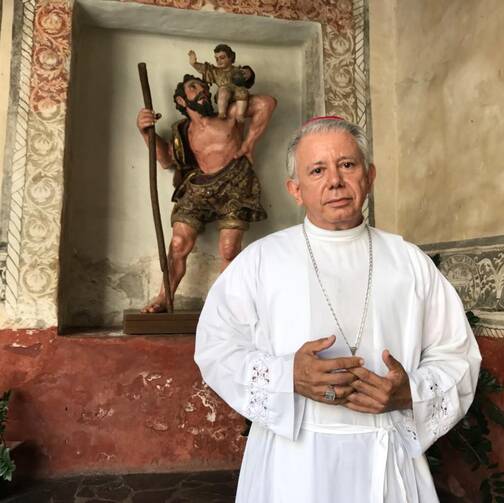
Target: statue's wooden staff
x=144, y=80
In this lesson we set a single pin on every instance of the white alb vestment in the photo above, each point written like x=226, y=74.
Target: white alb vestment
x=268, y=303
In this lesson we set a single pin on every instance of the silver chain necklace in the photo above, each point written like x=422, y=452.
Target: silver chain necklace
x=353, y=349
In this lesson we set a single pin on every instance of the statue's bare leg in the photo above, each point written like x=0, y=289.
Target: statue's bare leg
x=230, y=243
x=223, y=99
x=182, y=242
x=241, y=110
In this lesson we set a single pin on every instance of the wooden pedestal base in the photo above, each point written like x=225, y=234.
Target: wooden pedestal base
x=179, y=322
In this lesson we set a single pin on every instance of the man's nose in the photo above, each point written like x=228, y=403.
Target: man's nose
x=334, y=178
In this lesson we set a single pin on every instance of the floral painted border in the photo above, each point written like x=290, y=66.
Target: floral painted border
x=476, y=269
x=36, y=198
x=36, y=204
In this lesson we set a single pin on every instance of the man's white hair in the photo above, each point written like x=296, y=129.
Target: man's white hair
x=326, y=125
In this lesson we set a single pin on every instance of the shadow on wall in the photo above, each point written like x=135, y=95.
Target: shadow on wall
x=88, y=183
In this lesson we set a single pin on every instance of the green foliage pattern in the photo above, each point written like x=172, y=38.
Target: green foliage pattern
x=470, y=435
x=7, y=466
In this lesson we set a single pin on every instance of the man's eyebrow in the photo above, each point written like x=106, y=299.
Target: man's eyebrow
x=314, y=164
x=339, y=159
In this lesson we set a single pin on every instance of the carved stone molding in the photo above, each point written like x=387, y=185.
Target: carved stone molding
x=18, y=165
x=476, y=269
x=3, y=270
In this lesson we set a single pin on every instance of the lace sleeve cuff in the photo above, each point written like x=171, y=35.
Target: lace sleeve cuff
x=258, y=396
x=271, y=401
x=434, y=413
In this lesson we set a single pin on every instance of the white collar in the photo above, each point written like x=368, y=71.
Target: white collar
x=316, y=232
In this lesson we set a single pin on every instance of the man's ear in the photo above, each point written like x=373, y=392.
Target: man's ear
x=371, y=175
x=294, y=190
x=181, y=101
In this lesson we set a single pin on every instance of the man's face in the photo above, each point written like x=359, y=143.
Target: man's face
x=222, y=60
x=198, y=98
x=332, y=182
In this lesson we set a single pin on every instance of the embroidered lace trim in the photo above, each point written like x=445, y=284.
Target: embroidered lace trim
x=258, y=397
x=440, y=411
x=409, y=424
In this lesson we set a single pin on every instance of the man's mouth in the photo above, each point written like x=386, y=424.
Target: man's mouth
x=338, y=201
x=201, y=98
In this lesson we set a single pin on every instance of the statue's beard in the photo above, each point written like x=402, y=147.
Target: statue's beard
x=205, y=109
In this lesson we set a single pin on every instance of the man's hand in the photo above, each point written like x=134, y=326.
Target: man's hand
x=164, y=153
x=313, y=376
x=146, y=118
x=192, y=57
x=259, y=111
x=245, y=150
x=374, y=394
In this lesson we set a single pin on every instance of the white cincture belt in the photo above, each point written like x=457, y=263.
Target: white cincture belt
x=389, y=454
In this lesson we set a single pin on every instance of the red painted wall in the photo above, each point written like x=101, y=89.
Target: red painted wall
x=104, y=404
x=89, y=404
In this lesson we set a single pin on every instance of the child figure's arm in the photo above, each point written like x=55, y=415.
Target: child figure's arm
x=193, y=61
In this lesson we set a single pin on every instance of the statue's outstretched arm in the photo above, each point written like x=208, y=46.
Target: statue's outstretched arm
x=199, y=67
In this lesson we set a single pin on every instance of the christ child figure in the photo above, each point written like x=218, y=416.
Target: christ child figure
x=233, y=81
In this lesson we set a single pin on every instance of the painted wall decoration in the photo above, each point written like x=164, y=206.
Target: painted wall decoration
x=29, y=271
x=476, y=269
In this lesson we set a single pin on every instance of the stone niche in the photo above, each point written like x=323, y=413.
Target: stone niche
x=108, y=252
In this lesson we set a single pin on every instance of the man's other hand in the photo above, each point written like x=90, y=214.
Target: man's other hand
x=375, y=394
x=313, y=376
x=245, y=150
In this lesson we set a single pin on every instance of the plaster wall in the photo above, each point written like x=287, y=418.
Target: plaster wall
x=6, y=18
x=446, y=74
x=383, y=67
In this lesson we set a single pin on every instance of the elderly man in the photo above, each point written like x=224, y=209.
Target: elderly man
x=343, y=344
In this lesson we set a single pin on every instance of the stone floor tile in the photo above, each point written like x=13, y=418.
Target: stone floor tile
x=30, y=497
x=64, y=489
x=149, y=481
x=151, y=497
x=116, y=493
x=86, y=492
x=101, y=480
x=201, y=487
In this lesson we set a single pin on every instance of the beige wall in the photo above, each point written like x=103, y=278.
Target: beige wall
x=7, y=11
x=437, y=76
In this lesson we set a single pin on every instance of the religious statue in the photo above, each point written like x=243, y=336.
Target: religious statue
x=214, y=180
x=233, y=81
